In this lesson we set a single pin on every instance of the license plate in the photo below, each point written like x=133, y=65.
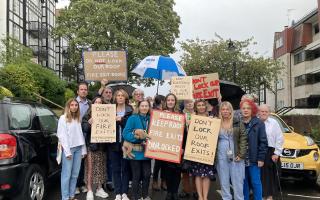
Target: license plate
x=287, y=165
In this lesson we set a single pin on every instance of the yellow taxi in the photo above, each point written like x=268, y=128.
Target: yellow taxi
x=300, y=155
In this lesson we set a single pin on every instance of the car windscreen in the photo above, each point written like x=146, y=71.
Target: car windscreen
x=283, y=126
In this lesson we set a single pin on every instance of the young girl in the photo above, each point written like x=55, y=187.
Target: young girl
x=135, y=133
x=73, y=144
x=203, y=173
x=95, y=168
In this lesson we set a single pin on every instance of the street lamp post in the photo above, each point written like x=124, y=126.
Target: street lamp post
x=231, y=48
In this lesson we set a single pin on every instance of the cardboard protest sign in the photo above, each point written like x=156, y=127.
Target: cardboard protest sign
x=111, y=65
x=202, y=139
x=166, y=133
x=206, y=86
x=182, y=87
x=103, y=128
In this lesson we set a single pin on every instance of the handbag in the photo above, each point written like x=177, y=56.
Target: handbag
x=59, y=153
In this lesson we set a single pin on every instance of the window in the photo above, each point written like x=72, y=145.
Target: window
x=306, y=79
x=19, y=117
x=299, y=57
x=316, y=28
x=16, y=7
x=279, y=42
x=280, y=84
x=301, y=102
x=48, y=119
x=15, y=31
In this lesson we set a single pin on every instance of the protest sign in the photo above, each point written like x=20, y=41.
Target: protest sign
x=182, y=87
x=103, y=128
x=206, y=86
x=166, y=133
x=202, y=139
x=111, y=65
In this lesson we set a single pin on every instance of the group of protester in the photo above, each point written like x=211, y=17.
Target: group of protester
x=247, y=155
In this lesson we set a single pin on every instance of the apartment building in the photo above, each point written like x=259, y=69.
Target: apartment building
x=298, y=48
x=31, y=22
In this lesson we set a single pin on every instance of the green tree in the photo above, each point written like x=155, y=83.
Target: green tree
x=141, y=27
x=233, y=63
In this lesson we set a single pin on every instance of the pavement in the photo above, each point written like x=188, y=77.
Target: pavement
x=290, y=191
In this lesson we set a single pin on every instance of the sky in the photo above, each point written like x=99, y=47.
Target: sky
x=234, y=19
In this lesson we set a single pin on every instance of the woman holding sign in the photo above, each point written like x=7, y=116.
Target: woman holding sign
x=120, y=166
x=135, y=132
x=95, y=168
x=173, y=170
x=231, y=152
x=203, y=172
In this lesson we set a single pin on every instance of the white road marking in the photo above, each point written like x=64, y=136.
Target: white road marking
x=311, y=197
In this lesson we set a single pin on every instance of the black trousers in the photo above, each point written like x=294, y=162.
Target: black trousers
x=158, y=167
x=173, y=178
x=141, y=170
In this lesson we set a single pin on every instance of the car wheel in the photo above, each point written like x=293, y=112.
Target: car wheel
x=34, y=184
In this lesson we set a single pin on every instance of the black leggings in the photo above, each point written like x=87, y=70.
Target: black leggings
x=173, y=177
x=141, y=170
x=158, y=165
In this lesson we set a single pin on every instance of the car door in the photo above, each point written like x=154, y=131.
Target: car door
x=48, y=125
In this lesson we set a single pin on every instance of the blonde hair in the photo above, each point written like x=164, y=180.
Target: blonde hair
x=229, y=106
x=70, y=116
x=200, y=101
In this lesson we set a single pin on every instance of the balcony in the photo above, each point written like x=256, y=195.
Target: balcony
x=41, y=52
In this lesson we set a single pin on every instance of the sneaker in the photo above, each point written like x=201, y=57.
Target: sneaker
x=84, y=189
x=90, y=195
x=118, y=197
x=77, y=191
x=147, y=198
x=125, y=197
x=101, y=193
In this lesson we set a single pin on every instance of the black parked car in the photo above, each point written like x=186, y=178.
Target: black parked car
x=28, y=148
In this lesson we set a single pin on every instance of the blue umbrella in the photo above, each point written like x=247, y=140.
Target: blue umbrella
x=159, y=67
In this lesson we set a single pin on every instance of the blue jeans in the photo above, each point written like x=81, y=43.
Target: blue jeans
x=120, y=170
x=252, y=181
x=70, y=172
x=234, y=171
